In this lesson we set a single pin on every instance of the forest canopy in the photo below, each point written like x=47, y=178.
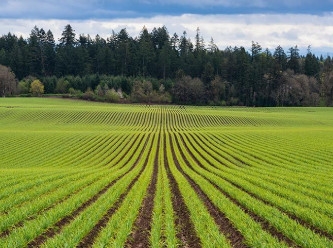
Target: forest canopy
x=158, y=67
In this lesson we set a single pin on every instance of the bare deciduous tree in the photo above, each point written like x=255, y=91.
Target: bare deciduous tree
x=297, y=90
x=8, y=82
x=327, y=87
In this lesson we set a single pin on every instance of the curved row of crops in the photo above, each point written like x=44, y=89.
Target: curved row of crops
x=78, y=174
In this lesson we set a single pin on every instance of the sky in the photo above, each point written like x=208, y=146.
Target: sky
x=229, y=22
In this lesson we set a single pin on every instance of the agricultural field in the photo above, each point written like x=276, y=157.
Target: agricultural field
x=85, y=174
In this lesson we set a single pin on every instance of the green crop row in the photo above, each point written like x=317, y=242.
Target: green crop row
x=75, y=173
x=163, y=233
x=289, y=227
x=80, y=227
x=204, y=225
x=270, y=183
x=19, y=235
x=253, y=233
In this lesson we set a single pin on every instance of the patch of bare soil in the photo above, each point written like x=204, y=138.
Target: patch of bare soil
x=240, y=162
x=297, y=219
x=57, y=227
x=142, y=226
x=89, y=239
x=264, y=223
x=235, y=237
x=186, y=232
x=20, y=224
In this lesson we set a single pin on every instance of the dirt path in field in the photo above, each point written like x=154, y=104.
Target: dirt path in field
x=57, y=227
x=264, y=223
x=142, y=226
x=235, y=237
x=186, y=232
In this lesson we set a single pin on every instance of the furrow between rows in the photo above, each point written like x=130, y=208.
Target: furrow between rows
x=186, y=232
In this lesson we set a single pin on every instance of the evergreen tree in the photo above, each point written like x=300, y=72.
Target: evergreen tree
x=98, y=56
x=35, y=52
x=122, y=49
x=199, y=42
x=280, y=58
x=198, y=65
x=146, y=52
x=241, y=71
x=311, y=65
x=19, y=59
x=256, y=75
x=159, y=37
x=293, y=60
x=175, y=42
x=68, y=37
x=234, y=75
x=186, y=55
x=66, y=57
x=164, y=60
x=49, y=52
x=163, y=52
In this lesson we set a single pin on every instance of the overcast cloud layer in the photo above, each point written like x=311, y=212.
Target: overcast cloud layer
x=229, y=23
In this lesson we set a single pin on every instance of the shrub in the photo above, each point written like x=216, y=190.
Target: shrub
x=112, y=96
x=36, y=88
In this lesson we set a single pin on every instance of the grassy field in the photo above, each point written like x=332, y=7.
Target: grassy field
x=84, y=174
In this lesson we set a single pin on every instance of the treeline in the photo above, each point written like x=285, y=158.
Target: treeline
x=159, y=67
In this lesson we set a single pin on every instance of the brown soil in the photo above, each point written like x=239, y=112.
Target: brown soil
x=20, y=224
x=125, y=153
x=9, y=230
x=240, y=162
x=186, y=232
x=235, y=237
x=89, y=239
x=5, y=233
x=56, y=228
x=299, y=220
x=291, y=216
x=264, y=223
x=309, y=226
x=142, y=226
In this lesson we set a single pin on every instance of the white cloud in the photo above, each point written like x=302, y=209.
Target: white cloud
x=269, y=30
x=239, y=3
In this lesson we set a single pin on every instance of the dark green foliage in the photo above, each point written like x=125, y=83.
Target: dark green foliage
x=192, y=73
x=293, y=59
x=311, y=65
